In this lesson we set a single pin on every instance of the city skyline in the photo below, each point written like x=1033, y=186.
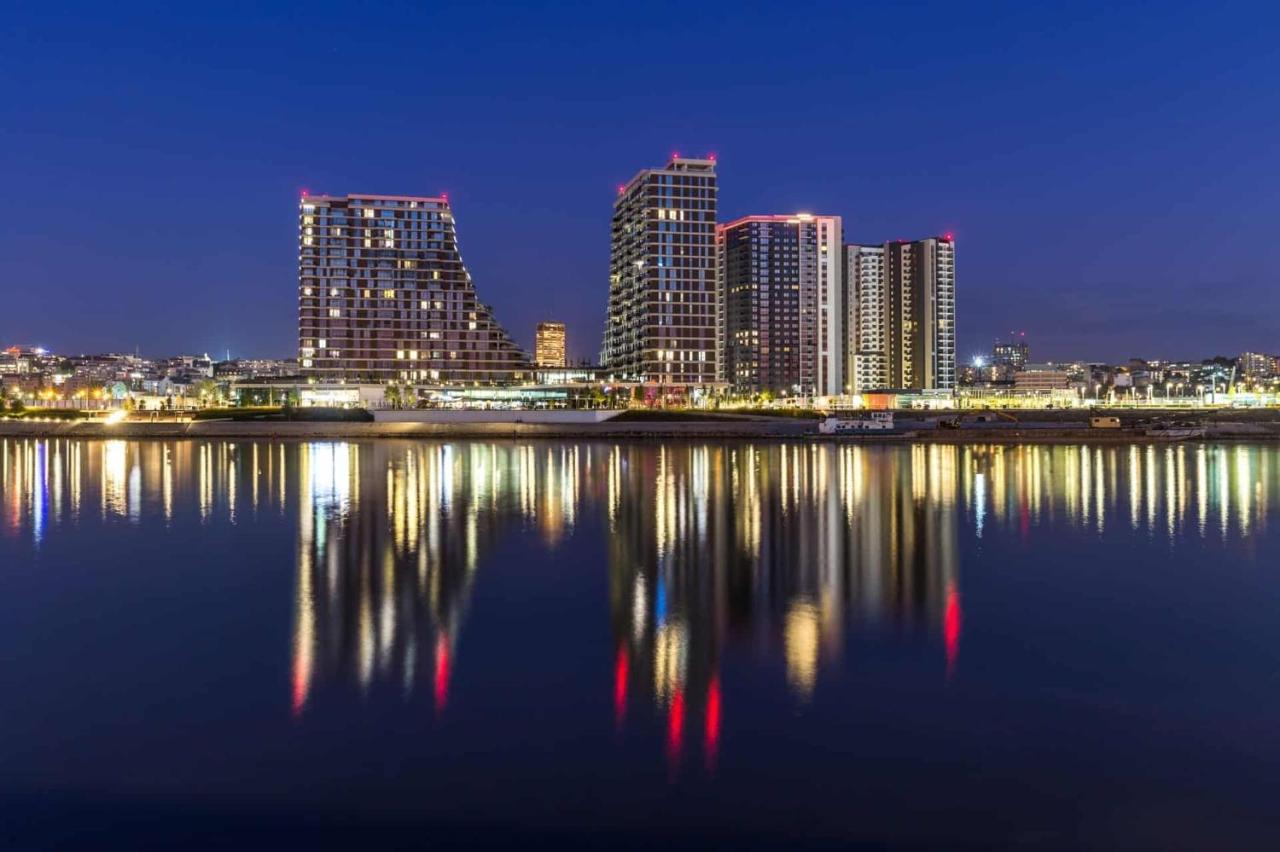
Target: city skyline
x=1092, y=213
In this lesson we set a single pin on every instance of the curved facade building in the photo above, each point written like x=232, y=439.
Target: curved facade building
x=383, y=296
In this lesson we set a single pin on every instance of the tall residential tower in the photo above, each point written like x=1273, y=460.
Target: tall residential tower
x=383, y=296
x=902, y=325
x=781, y=304
x=866, y=318
x=661, y=325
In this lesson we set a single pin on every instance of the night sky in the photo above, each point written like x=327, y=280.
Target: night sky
x=1110, y=170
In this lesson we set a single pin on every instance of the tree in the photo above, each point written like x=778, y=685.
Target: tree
x=392, y=396
x=207, y=391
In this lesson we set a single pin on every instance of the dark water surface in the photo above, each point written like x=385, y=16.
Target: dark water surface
x=639, y=644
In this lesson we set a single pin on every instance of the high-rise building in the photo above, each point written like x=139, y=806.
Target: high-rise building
x=903, y=328
x=781, y=304
x=866, y=319
x=548, y=345
x=1256, y=365
x=661, y=324
x=383, y=296
x=1013, y=354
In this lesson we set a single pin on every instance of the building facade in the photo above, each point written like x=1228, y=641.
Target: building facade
x=383, y=296
x=866, y=319
x=910, y=310
x=1258, y=365
x=661, y=322
x=781, y=304
x=1013, y=353
x=549, y=345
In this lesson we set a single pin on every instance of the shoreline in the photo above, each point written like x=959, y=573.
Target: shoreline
x=786, y=430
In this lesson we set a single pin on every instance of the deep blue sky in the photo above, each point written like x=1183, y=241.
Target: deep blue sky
x=1110, y=170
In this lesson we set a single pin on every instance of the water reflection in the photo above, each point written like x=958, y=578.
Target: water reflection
x=778, y=549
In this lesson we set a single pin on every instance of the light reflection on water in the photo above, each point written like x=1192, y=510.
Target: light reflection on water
x=783, y=547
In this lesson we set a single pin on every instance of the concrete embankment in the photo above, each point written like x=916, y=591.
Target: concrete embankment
x=355, y=431
x=748, y=429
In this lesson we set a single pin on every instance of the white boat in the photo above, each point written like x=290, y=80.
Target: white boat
x=877, y=423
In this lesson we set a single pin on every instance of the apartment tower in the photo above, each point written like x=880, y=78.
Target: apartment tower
x=866, y=318
x=661, y=323
x=383, y=296
x=902, y=298
x=781, y=304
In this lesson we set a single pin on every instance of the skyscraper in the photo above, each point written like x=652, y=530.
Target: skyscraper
x=781, y=304
x=866, y=319
x=548, y=345
x=383, y=296
x=903, y=332
x=661, y=324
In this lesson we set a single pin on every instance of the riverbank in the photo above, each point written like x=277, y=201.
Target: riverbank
x=754, y=429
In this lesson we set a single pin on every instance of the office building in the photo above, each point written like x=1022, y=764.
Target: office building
x=661, y=323
x=909, y=308
x=548, y=345
x=383, y=296
x=781, y=304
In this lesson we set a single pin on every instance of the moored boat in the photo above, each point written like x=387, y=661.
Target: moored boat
x=876, y=423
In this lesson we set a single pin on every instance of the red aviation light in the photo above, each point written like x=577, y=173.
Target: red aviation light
x=949, y=237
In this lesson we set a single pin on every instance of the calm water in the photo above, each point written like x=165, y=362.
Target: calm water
x=921, y=647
